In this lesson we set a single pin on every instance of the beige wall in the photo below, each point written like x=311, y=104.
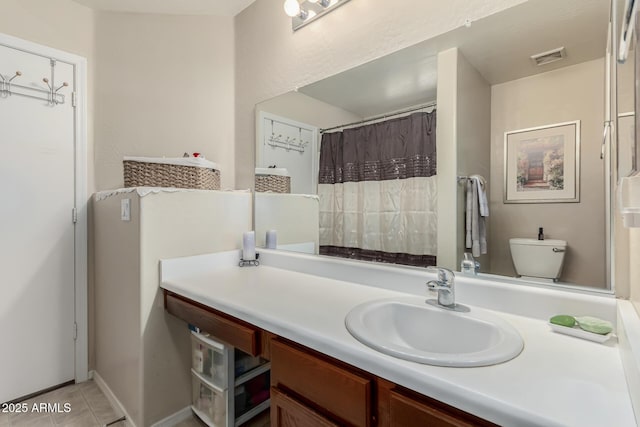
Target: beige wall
x=117, y=293
x=302, y=108
x=144, y=354
x=175, y=225
x=446, y=137
x=463, y=139
x=273, y=60
x=295, y=217
x=571, y=93
x=473, y=121
x=164, y=87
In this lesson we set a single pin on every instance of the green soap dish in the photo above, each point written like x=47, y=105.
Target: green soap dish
x=594, y=325
x=563, y=320
x=585, y=327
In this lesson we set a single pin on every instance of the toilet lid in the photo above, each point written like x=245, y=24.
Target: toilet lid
x=535, y=242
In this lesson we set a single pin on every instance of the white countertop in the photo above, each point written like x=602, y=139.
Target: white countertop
x=557, y=380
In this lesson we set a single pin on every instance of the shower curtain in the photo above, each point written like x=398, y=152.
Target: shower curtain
x=377, y=188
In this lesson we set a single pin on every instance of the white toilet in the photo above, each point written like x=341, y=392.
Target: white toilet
x=541, y=259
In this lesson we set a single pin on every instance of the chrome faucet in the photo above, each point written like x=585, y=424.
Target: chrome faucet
x=469, y=265
x=445, y=285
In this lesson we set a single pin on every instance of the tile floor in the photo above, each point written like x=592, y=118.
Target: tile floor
x=89, y=408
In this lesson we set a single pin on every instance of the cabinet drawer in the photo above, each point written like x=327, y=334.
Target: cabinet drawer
x=238, y=334
x=405, y=411
x=208, y=402
x=331, y=388
x=288, y=412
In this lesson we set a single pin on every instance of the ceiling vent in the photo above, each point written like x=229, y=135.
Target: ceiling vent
x=549, y=56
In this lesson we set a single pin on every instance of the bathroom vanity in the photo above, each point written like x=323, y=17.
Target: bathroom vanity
x=292, y=308
x=312, y=389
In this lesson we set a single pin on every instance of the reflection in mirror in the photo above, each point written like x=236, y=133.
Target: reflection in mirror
x=373, y=160
x=625, y=105
x=293, y=218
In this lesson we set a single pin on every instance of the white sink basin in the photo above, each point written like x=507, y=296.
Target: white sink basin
x=410, y=329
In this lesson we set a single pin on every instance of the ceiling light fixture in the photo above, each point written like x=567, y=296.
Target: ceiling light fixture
x=302, y=12
x=323, y=3
x=291, y=7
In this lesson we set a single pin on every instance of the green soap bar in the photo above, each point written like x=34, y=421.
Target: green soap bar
x=563, y=320
x=595, y=325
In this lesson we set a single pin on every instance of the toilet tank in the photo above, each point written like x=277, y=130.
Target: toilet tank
x=538, y=258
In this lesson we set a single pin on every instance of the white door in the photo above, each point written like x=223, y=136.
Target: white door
x=36, y=229
x=300, y=158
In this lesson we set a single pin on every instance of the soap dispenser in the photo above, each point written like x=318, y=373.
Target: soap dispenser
x=469, y=265
x=540, y=233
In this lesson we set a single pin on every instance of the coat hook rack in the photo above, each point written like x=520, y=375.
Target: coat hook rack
x=51, y=95
x=5, y=84
x=53, y=91
x=288, y=143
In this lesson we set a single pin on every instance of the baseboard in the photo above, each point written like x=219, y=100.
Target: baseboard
x=175, y=418
x=102, y=385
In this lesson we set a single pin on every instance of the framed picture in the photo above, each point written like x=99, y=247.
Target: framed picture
x=542, y=164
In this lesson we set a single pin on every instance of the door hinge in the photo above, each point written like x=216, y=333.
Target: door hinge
x=74, y=100
x=74, y=215
x=75, y=331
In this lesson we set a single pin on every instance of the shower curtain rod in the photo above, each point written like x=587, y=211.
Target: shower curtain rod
x=382, y=116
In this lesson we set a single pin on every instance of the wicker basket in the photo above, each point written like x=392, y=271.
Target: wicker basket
x=148, y=174
x=273, y=183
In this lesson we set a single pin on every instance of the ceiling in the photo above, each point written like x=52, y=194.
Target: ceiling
x=171, y=7
x=498, y=46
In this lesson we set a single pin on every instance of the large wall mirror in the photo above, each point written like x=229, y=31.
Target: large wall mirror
x=373, y=163
x=624, y=97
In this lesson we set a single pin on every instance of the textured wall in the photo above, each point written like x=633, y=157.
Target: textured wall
x=271, y=59
x=164, y=87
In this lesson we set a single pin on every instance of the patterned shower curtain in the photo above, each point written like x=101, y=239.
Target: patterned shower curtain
x=377, y=189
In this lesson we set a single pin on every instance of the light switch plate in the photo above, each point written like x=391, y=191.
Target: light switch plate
x=125, y=209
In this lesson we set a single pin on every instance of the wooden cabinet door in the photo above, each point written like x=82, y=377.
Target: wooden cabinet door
x=288, y=412
x=339, y=391
x=405, y=411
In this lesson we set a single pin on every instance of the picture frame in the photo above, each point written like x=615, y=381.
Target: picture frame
x=542, y=164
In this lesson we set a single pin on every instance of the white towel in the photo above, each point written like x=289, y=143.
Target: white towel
x=477, y=211
x=481, y=183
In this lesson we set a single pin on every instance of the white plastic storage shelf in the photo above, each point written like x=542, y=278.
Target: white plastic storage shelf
x=209, y=359
x=209, y=402
x=230, y=387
